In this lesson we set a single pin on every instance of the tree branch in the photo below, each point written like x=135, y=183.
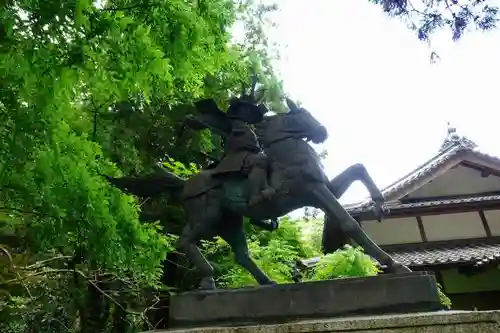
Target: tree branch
x=90, y=281
x=80, y=273
x=43, y=263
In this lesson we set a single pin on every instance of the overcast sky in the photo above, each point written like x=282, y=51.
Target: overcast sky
x=369, y=80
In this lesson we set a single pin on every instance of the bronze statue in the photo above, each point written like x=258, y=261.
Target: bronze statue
x=215, y=201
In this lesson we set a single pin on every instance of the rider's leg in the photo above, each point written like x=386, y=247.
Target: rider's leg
x=259, y=186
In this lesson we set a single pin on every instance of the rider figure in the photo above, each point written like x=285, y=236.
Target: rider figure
x=242, y=152
x=242, y=148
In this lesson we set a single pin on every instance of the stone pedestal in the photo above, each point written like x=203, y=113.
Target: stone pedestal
x=437, y=322
x=383, y=294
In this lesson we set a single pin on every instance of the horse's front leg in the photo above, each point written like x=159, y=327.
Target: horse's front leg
x=343, y=181
x=333, y=237
x=348, y=225
x=235, y=237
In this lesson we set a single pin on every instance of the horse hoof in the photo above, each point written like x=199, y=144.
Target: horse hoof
x=378, y=212
x=207, y=283
x=274, y=224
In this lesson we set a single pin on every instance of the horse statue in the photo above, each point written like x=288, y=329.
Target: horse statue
x=215, y=205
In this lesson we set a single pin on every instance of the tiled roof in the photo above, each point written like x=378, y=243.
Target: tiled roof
x=453, y=138
x=477, y=253
x=426, y=169
x=395, y=205
x=474, y=254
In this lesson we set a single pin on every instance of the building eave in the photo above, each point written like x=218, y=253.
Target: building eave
x=442, y=206
x=439, y=164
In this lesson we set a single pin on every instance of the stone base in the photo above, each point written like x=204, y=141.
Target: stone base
x=391, y=293
x=437, y=322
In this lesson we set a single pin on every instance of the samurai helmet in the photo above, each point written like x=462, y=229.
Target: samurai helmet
x=247, y=107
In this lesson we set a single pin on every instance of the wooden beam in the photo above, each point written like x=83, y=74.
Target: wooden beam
x=465, y=207
x=438, y=244
x=485, y=223
x=448, y=197
x=421, y=228
x=484, y=170
x=485, y=174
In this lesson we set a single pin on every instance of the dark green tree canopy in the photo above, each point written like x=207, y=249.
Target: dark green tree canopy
x=425, y=17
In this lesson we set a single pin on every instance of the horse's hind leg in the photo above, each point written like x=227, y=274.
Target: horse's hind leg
x=202, y=217
x=187, y=243
x=235, y=237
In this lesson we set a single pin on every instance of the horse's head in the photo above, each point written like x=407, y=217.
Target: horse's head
x=297, y=123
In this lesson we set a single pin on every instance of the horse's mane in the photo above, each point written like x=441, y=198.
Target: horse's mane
x=261, y=127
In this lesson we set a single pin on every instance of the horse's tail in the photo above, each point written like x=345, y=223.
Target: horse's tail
x=149, y=186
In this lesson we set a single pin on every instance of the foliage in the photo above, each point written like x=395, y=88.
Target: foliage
x=445, y=300
x=275, y=252
x=426, y=17
x=90, y=89
x=312, y=230
x=180, y=169
x=347, y=262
